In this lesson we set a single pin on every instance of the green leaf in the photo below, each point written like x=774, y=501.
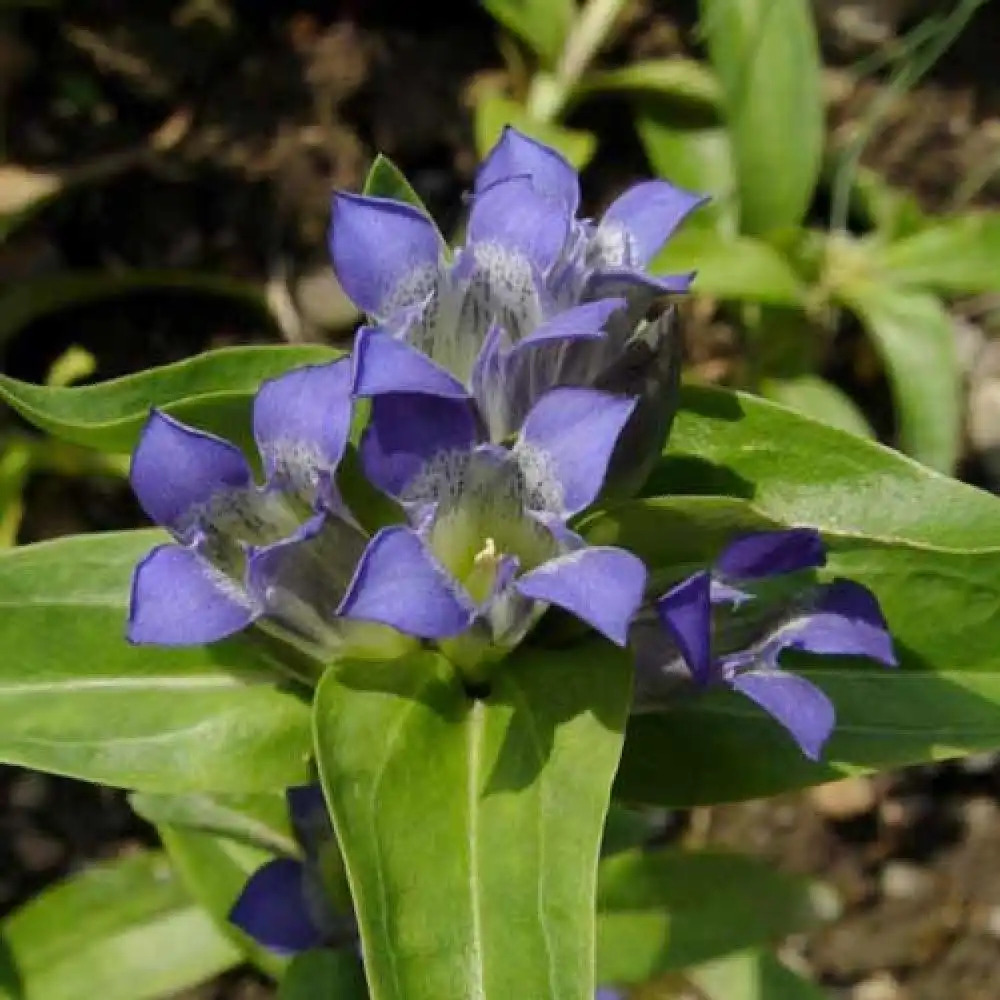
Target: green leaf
x=819, y=399
x=686, y=81
x=259, y=821
x=324, y=975
x=766, y=57
x=692, y=151
x=672, y=909
x=386, y=180
x=914, y=334
x=493, y=112
x=752, y=975
x=542, y=25
x=730, y=267
x=25, y=302
x=77, y=699
x=126, y=930
x=957, y=256
x=800, y=471
x=212, y=390
x=215, y=870
x=937, y=596
x=471, y=829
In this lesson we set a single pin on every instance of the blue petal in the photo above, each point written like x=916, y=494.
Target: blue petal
x=771, y=553
x=566, y=444
x=515, y=154
x=383, y=364
x=399, y=583
x=631, y=282
x=686, y=613
x=513, y=216
x=386, y=253
x=606, y=993
x=602, y=586
x=274, y=911
x=581, y=321
x=648, y=213
x=310, y=820
x=179, y=599
x=301, y=422
x=406, y=432
x=845, y=620
x=176, y=470
x=801, y=707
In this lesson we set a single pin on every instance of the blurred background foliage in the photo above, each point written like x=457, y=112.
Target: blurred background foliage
x=165, y=172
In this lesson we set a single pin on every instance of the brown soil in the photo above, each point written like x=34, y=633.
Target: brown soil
x=268, y=107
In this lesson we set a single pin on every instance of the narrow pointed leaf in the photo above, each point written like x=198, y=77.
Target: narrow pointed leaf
x=541, y=24
x=125, y=930
x=386, y=180
x=766, y=56
x=914, y=334
x=212, y=391
x=77, y=699
x=471, y=829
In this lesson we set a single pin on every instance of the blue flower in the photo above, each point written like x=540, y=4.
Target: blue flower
x=730, y=625
x=286, y=553
x=534, y=299
x=496, y=518
x=287, y=905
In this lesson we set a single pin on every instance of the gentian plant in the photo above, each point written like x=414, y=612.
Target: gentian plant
x=423, y=628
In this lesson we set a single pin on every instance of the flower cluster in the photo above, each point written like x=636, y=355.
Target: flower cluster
x=506, y=379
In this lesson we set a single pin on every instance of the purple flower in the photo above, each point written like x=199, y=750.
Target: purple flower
x=731, y=624
x=496, y=518
x=288, y=904
x=534, y=299
x=287, y=552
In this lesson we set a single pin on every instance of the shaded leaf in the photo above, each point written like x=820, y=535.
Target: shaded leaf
x=542, y=25
x=914, y=334
x=672, y=909
x=958, y=256
x=730, y=267
x=752, y=975
x=819, y=399
x=386, y=180
x=324, y=975
x=683, y=80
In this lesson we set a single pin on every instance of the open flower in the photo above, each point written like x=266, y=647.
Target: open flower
x=534, y=298
x=291, y=904
x=496, y=518
x=286, y=552
x=730, y=630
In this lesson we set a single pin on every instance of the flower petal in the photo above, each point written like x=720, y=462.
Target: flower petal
x=566, y=444
x=686, y=613
x=383, y=364
x=602, y=586
x=584, y=321
x=407, y=432
x=801, y=707
x=399, y=583
x=845, y=620
x=176, y=470
x=771, y=553
x=513, y=217
x=386, y=253
x=631, y=283
x=644, y=217
x=179, y=599
x=300, y=580
x=301, y=422
x=274, y=911
x=516, y=154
